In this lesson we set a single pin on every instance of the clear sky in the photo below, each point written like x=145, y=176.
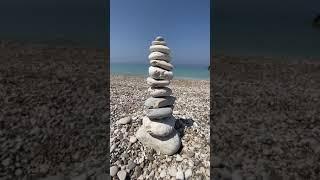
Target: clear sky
x=185, y=25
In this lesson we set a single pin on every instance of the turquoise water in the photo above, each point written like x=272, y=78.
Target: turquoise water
x=197, y=72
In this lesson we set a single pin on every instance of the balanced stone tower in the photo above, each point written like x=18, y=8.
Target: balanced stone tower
x=157, y=130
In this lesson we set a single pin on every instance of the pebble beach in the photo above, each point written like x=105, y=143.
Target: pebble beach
x=191, y=110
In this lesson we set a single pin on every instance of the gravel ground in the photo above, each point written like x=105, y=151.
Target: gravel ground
x=265, y=120
x=131, y=159
x=53, y=114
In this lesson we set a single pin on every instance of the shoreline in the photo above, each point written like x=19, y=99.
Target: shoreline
x=145, y=76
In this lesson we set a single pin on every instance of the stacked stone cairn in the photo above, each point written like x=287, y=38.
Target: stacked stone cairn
x=157, y=130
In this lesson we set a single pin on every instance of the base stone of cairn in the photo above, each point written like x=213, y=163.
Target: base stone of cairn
x=157, y=130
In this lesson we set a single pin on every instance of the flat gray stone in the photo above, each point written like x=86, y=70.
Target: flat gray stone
x=161, y=64
x=159, y=56
x=167, y=145
x=161, y=128
x=159, y=38
x=159, y=48
x=160, y=74
x=159, y=102
x=159, y=92
x=159, y=113
x=157, y=83
x=159, y=43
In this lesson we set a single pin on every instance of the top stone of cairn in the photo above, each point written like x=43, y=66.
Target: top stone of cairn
x=159, y=38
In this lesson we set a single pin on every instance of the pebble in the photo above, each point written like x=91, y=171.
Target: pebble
x=179, y=158
x=6, y=162
x=159, y=113
x=161, y=128
x=113, y=147
x=160, y=74
x=151, y=175
x=133, y=139
x=131, y=165
x=124, y=120
x=163, y=173
x=113, y=170
x=159, y=102
x=161, y=64
x=168, y=146
x=159, y=56
x=172, y=171
x=159, y=38
x=159, y=48
x=159, y=92
x=18, y=172
x=188, y=173
x=179, y=175
x=122, y=175
x=157, y=83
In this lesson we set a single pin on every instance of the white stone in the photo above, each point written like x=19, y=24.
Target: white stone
x=167, y=145
x=160, y=74
x=161, y=128
x=161, y=64
x=163, y=173
x=179, y=158
x=159, y=43
x=179, y=175
x=159, y=102
x=122, y=175
x=157, y=83
x=159, y=56
x=160, y=48
x=133, y=139
x=124, y=120
x=188, y=174
x=159, y=92
x=113, y=170
x=172, y=171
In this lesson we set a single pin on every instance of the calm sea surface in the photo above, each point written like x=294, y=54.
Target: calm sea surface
x=198, y=72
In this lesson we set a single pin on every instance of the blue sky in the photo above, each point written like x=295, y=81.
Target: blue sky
x=185, y=25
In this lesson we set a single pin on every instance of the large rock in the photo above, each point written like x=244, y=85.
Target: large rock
x=159, y=113
x=166, y=145
x=161, y=64
x=157, y=83
x=159, y=56
x=159, y=92
x=160, y=74
x=152, y=102
x=161, y=128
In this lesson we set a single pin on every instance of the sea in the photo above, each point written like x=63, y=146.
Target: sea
x=180, y=71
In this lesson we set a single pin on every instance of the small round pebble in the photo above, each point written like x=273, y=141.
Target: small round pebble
x=179, y=158
x=163, y=173
x=172, y=171
x=124, y=120
x=133, y=139
x=113, y=170
x=122, y=175
x=18, y=172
